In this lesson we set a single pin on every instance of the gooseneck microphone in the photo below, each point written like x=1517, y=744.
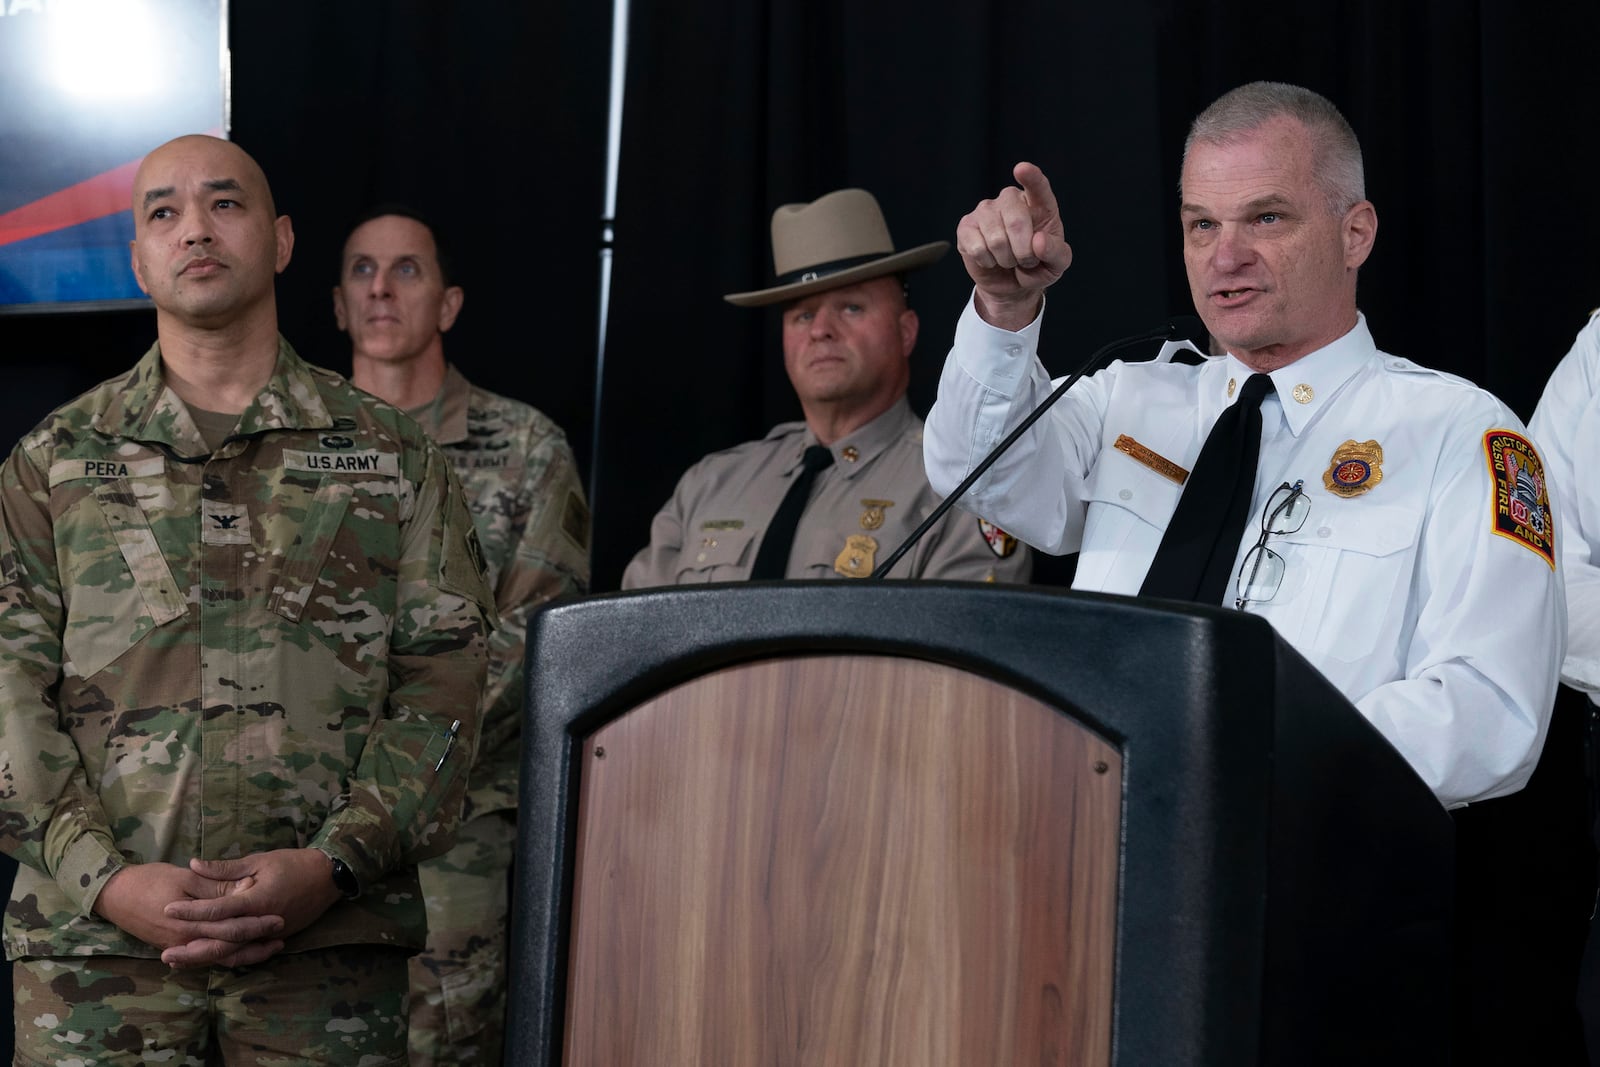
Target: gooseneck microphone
x=1178, y=328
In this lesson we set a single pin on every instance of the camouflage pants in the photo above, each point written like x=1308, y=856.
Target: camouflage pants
x=344, y=1005
x=458, y=984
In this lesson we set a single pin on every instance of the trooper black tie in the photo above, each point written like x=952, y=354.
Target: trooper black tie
x=773, y=558
x=1195, y=559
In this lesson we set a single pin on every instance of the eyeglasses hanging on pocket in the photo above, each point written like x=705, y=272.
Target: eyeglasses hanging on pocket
x=1262, y=571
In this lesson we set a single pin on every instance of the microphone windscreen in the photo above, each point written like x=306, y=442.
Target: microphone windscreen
x=1189, y=328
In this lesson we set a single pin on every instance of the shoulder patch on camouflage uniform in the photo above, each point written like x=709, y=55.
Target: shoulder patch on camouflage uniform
x=464, y=571
x=10, y=568
x=1520, y=508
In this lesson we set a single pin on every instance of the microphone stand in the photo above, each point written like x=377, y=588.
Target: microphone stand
x=1092, y=363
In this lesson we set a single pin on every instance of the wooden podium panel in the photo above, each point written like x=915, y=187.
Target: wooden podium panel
x=939, y=888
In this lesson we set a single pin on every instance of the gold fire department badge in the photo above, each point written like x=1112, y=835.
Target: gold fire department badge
x=1355, y=469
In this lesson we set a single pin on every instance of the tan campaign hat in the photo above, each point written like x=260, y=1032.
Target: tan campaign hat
x=835, y=240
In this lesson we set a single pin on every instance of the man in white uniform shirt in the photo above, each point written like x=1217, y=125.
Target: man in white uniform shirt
x=1408, y=531
x=1567, y=420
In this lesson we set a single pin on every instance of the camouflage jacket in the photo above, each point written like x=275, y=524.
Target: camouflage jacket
x=527, y=502
x=215, y=654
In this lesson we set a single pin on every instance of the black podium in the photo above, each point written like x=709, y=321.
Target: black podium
x=1279, y=879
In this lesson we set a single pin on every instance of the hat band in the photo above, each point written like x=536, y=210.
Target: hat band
x=822, y=270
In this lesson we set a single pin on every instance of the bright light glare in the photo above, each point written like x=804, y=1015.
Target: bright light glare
x=104, y=49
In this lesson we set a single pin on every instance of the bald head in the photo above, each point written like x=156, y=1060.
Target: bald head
x=207, y=237
x=208, y=151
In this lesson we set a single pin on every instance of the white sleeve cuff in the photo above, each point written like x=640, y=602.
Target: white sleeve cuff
x=996, y=359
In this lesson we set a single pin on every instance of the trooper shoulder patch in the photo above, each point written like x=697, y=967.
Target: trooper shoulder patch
x=1521, y=506
x=1000, y=543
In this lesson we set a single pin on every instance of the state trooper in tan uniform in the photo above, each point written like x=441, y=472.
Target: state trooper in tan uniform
x=395, y=298
x=847, y=342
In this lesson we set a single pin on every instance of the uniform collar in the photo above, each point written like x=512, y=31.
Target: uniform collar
x=144, y=409
x=854, y=451
x=447, y=414
x=1305, y=386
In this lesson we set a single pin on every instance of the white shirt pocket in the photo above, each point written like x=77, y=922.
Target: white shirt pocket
x=1129, y=507
x=1346, y=576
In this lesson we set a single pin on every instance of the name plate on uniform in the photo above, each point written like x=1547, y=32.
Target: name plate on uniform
x=70, y=470
x=1150, y=458
x=369, y=462
x=482, y=461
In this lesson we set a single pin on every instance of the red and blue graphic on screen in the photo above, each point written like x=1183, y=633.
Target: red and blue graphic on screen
x=70, y=245
x=86, y=100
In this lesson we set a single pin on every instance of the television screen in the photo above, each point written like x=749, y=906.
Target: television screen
x=87, y=87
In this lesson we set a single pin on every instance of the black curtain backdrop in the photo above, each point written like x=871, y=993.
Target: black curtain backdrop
x=1478, y=121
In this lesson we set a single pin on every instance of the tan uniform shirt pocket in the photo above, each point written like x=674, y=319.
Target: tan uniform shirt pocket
x=716, y=556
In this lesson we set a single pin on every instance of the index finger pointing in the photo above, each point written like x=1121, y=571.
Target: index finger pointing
x=1036, y=187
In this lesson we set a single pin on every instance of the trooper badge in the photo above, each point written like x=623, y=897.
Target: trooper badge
x=1355, y=469
x=872, y=517
x=860, y=555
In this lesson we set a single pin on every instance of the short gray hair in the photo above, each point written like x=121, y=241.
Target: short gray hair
x=1337, y=154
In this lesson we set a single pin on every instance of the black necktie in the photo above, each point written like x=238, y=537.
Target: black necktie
x=773, y=558
x=1195, y=560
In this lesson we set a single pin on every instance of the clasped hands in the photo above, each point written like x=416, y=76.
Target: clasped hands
x=231, y=913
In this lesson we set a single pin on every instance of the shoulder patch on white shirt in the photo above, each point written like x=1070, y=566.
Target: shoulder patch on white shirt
x=1520, y=509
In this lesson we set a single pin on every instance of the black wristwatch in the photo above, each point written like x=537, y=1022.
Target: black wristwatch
x=344, y=879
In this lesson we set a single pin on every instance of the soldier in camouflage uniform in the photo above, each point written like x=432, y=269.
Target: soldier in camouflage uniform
x=396, y=298
x=243, y=628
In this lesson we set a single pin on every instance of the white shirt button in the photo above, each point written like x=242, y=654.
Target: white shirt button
x=1126, y=494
